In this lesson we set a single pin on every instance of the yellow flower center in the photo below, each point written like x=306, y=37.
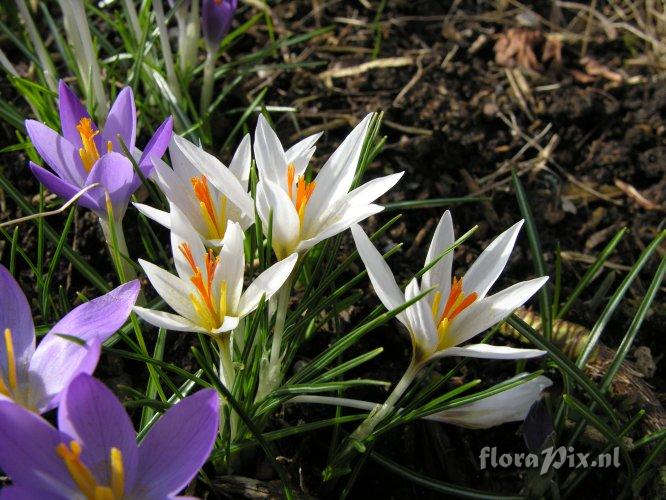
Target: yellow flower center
x=304, y=190
x=456, y=303
x=84, y=478
x=8, y=388
x=89, y=153
x=210, y=311
x=216, y=220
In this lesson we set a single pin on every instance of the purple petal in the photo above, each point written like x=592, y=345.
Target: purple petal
x=66, y=190
x=15, y=314
x=60, y=154
x=28, y=493
x=116, y=174
x=216, y=17
x=121, y=120
x=28, y=449
x=57, y=361
x=178, y=445
x=156, y=146
x=92, y=415
x=100, y=317
x=71, y=112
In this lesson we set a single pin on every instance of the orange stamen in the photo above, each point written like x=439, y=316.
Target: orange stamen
x=456, y=290
x=456, y=303
x=304, y=190
x=204, y=289
x=89, y=153
x=84, y=478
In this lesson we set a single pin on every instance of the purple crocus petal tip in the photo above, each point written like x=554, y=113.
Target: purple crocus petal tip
x=63, y=188
x=216, y=18
x=156, y=147
x=16, y=316
x=71, y=112
x=121, y=121
x=101, y=317
x=178, y=445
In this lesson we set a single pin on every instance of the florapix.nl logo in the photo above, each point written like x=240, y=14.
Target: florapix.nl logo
x=551, y=457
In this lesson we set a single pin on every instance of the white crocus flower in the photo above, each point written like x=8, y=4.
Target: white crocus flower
x=207, y=294
x=511, y=405
x=201, y=187
x=305, y=213
x=459, y=309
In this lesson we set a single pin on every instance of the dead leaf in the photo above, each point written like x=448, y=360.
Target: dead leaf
x=633, y=193
x=595, y=68
x=516, y=47
x=552, y=49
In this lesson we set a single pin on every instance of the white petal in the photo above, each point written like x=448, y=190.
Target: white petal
x=167, y=320
x=269, y=154
x=439, y=275
x=335, y=225
x=487, y=351
x=420, y=318
x=182, y=165
x=229, y=323
x=380, y=274
x=266, y=284
x=301, y=153
x=371, y=190
x=240, y=163
x=286, y=227
x=489, y=311
x=490, y=264
x=511, y=405
x=159, y=216
x=232, y=265
x=176, y=191
x=336, y=176
x=218, y=175
x=182, y=232
x=172, y=289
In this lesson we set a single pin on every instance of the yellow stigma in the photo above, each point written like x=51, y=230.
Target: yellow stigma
x=12, y=378
x=304, y=190
x=216, y=220
x=89, y=153
x=210, y=311
x=84, y=478
x=455, y=304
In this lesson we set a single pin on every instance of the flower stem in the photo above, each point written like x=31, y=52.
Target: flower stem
x=339, y=465
x=271, y=376
x=115, y=242
x=208, y=80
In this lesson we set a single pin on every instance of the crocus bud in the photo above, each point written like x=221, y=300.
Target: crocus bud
x=216, y=17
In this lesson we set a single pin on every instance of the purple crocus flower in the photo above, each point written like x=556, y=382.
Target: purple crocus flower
x=216, y=17
x=35, y=378
x=85, y=154
x=93, y=453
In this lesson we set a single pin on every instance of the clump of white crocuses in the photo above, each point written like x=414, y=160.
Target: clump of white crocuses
x=455, y=311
